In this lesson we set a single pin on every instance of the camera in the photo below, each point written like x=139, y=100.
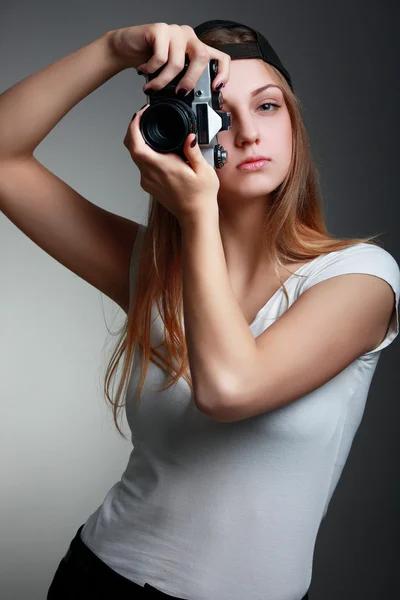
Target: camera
x=167, y=122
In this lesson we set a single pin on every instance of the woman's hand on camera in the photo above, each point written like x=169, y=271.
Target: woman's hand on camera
x=149, y=47
x=188, y=191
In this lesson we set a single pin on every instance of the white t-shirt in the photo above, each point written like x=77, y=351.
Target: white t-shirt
x=208, y=510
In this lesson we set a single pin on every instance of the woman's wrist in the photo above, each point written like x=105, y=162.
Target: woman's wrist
x=121, y=61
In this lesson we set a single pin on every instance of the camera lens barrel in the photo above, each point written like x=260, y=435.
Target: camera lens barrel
x=166, y=125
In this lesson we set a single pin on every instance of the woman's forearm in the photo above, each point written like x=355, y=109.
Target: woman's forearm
x=220, y=343
x=31, y=108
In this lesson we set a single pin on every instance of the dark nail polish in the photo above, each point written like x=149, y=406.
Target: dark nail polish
x=140, y=73
x=219, y=86
x=193, y=143
x=182, y=93
x=133, y=117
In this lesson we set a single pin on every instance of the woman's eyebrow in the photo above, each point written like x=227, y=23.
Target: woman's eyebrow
x=264, y=87
x=259, y=90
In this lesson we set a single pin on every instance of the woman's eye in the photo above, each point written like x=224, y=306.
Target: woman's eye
x=270, y=104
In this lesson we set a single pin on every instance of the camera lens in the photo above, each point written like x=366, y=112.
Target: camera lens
x=166, y=124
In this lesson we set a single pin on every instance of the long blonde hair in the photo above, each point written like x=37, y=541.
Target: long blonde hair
x=295, y=231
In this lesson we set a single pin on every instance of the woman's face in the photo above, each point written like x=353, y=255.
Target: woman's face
x=257, y=127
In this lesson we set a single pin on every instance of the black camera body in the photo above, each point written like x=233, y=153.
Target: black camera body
x=167, y=122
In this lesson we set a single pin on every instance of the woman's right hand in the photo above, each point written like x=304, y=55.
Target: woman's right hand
x=149, y=47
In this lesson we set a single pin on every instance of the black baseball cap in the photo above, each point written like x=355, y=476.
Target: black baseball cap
x=259, y=49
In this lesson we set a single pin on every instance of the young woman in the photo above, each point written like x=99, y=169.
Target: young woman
x=251, y=337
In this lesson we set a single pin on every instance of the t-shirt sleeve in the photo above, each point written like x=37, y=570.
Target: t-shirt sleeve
x=134, y=263
x=362, y=258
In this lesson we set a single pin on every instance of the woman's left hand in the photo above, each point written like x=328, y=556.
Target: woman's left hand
x=186, y=190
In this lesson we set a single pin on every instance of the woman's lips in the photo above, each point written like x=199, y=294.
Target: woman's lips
x=252, y=166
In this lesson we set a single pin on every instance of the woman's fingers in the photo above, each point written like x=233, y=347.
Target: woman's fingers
x=199, y=56
x=198, y=61
x=128, y=135
x=135, y=142
x=175, y=64
x=171, y=43
x=159, y=38
x=170, y=47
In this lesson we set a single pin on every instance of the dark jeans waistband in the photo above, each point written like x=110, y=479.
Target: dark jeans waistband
x=80, y=558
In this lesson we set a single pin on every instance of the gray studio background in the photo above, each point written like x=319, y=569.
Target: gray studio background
x=60, y=453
